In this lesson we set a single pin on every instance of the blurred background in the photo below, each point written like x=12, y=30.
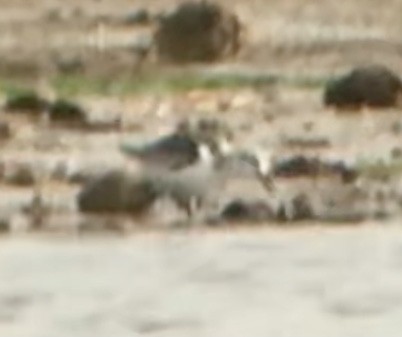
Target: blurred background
x=313, y=85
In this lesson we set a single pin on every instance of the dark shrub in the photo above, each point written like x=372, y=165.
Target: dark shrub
x=197, y=31
x=373, y=86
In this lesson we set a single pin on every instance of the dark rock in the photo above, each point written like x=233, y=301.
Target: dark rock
x=347, y=173
x=302, y=208
x=65, y=111
x=296, y=166
x=197, y=31
x=116, y=191
x=247, y=211
x=299, y=165
x=27, y=101
x=373, y=86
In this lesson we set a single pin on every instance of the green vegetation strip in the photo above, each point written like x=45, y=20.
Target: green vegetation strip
x=152, y=83
x=162, y=83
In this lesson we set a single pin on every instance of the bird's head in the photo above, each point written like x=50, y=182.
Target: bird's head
x=212, y=132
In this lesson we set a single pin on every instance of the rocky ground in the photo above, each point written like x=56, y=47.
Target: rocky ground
x=340, y=280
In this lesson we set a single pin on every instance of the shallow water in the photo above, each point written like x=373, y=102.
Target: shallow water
x=312, y=281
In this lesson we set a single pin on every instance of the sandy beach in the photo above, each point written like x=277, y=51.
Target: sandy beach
x=310, y=281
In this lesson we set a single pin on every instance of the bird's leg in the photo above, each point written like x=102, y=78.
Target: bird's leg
x=193, y=210
x=190, y=207
x=267, y=182
x=36, y=211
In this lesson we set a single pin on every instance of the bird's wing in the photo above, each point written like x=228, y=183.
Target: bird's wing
x=171, y=152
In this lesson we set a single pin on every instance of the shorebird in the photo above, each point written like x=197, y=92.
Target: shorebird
x=194, y=163
x=198, y=187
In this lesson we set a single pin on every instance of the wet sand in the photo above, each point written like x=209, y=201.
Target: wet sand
x=309, y=281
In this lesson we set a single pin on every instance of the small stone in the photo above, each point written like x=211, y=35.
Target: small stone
x=302, y=208
x=20, y=174
x=247, y=211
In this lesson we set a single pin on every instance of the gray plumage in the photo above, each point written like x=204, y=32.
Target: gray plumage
x=199, y=186
x=181, y=148
x=172, y=152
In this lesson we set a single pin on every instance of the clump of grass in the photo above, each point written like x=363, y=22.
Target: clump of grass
x=23, y=99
